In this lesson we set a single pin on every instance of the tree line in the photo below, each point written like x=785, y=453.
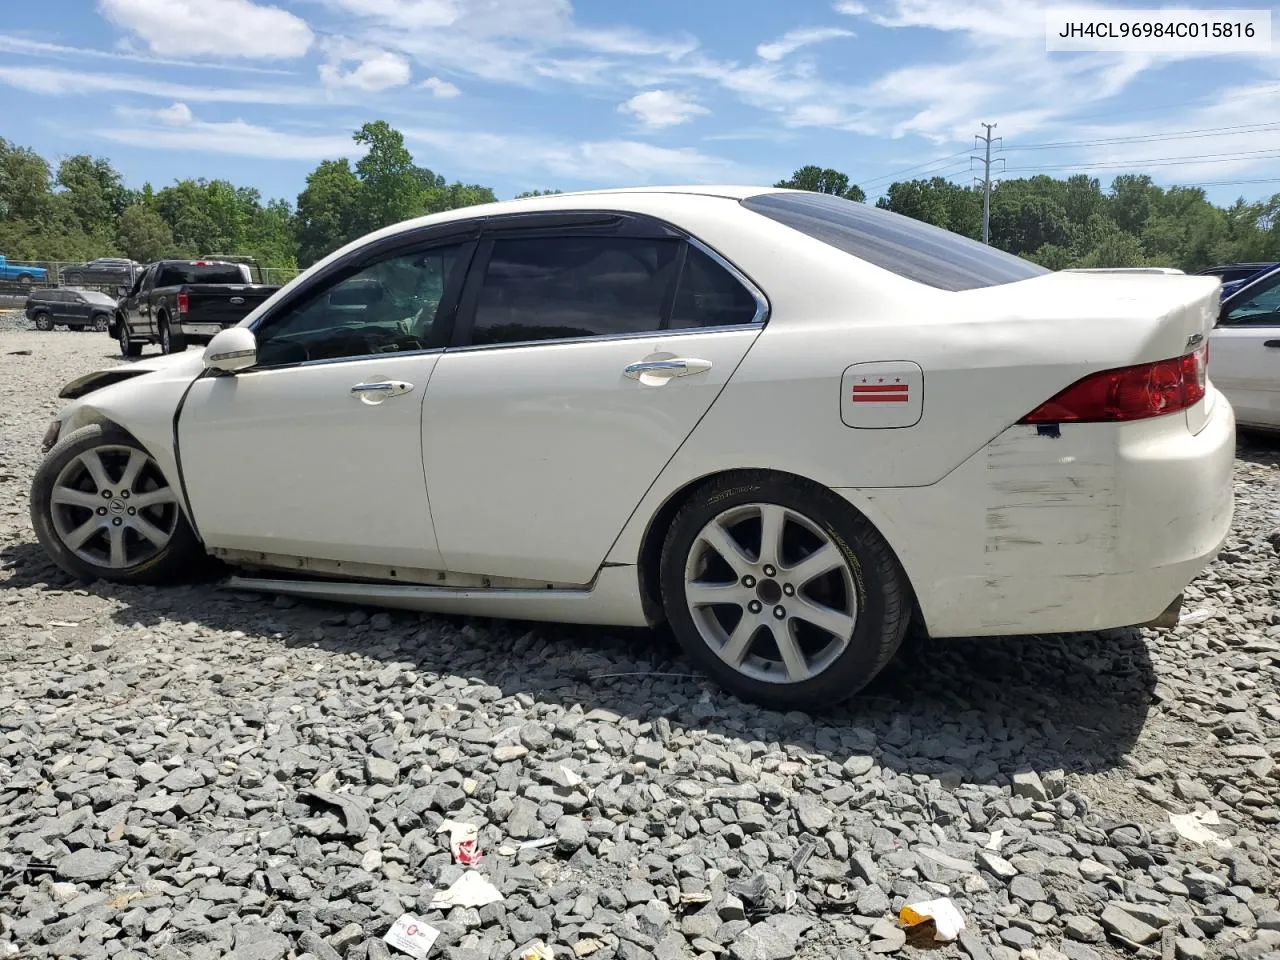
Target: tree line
x=82, y=210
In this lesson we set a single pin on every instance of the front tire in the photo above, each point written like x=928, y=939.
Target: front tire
x=170, y=342
x=128, y=348
x=43, y=321
x=100, y=323
x=102, y=509
x=781, y=591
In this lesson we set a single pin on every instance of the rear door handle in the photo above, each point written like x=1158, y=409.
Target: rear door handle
x=1272, y=343
x=666, y=369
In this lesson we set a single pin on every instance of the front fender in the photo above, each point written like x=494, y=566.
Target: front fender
x=144, y=405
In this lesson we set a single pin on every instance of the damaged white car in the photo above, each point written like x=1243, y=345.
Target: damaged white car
x=783, y=422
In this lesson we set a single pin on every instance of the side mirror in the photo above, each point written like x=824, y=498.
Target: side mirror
x=235, y=348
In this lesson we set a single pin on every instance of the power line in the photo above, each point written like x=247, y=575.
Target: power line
x=1154, y=137
x=890, y=176
x=1271, y=153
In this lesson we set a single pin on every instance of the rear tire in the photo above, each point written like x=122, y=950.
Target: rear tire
x=102, y=509
x=170, y=342
x=741, y=593
x=128, y=348
x=43, y=321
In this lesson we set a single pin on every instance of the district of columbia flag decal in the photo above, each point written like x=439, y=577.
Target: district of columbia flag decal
x=881, y=390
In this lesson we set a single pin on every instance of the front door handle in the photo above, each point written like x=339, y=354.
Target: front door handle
x=1272, y=343
x=375, y=391
x=666, y=369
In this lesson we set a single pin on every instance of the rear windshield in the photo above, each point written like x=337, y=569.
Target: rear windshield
x=912, y=249
x=174, y=274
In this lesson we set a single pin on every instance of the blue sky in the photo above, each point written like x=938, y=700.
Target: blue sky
x=525, y=94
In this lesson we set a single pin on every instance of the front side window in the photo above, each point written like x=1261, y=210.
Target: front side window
x=555, y=288
x=387, y=307
x=1262, y=309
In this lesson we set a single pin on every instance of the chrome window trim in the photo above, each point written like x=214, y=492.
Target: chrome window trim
x=606, y=337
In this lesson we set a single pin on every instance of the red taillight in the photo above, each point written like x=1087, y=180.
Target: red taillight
x=184, y=301
x=1129, y=393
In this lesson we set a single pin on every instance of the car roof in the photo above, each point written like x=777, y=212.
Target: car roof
x=577, y=200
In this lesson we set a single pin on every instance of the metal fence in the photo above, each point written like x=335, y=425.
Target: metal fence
x=18, y=276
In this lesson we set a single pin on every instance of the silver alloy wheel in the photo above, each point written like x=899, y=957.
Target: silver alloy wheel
x=100, y=325
x=123, y=336
x=112, y=508
x=770, y=593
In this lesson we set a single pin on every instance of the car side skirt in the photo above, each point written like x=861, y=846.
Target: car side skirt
x=612, y=599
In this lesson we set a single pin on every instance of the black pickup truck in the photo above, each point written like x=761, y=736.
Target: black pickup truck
x=178, y=302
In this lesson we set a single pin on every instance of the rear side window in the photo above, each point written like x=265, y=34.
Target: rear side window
x=710, y=296
x=912, y=249
x=555, y=288
x=171, y=275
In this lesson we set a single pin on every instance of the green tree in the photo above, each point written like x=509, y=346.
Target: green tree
x=24, y=183
x=392, y=186
x=820, y=180
x=94, y=192
x=328, y=210
x=936, y=201
x=143, y=234
x=537, y=193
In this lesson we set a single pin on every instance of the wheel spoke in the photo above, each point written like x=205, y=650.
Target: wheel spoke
x=137, y=459
x=153, y=498
x=773, y=521
x=93, y=463
x=77, y=537
x=116, y=536
x=833, y=621
x=722, y=542
x=149, y=530
x=823, y=560
x=739, y=643
x=792, y=656
x=702, y=594
x=70, y=497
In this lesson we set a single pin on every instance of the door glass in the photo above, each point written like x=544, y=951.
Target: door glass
x=565, y=287
x=1262, y=309
x=388, y=307
x=710, y=296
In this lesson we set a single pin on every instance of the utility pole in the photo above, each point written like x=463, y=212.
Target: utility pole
x=986, y=140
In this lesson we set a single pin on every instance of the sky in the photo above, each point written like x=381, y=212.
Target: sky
x=538, y=94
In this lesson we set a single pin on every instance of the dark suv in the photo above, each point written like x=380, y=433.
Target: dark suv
x=76, y=309
x=104, y=272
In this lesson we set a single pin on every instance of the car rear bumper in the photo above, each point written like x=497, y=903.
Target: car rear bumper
x=1101, y=526
x=195, y=330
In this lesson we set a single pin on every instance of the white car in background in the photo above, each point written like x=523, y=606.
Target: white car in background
x=1244, y=351
x=785, y=423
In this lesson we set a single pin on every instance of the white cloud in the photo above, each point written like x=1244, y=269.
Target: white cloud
x=222, y=29
x=179, y=113
x=440, y=89
x=656, y=109
x=793, y=40
x=374, y=69
x=37, y=48
x=177, y=128
x=602, y=162
x=509, y=41
x=851, y=8
x=55, y=82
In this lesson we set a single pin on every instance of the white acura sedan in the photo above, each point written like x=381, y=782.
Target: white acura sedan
x=783, y=422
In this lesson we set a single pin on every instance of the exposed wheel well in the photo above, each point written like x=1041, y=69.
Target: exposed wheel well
x=649, y=562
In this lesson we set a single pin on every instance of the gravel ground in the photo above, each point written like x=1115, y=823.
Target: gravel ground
x=191, y=773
